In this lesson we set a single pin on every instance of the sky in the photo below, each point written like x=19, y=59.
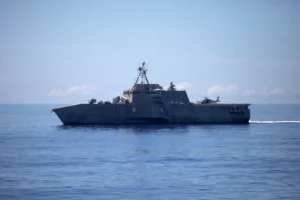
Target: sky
x=66, y=52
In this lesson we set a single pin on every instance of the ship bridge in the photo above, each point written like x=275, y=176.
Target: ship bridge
x=144, y=92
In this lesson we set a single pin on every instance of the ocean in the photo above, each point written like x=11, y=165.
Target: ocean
x=41, y=159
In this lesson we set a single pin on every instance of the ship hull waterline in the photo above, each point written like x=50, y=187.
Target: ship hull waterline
x=120, y=114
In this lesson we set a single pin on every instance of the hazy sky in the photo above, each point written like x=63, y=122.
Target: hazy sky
x=68, y=51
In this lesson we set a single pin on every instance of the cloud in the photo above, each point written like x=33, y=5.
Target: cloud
x=74, y=90
x=184, y=86
x=219, y=89
x=276, y=91
x=272, y=92
x=181, y=86
x=249, y=92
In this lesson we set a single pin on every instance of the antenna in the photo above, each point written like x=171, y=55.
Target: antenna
x=142, y=74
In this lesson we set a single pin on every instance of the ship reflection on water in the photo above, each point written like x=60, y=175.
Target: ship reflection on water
x=159, y=128
x=151, y=129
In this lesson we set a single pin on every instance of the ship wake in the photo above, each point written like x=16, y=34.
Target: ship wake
x=274, y=122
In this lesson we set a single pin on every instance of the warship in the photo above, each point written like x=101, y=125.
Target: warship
x=146, y=103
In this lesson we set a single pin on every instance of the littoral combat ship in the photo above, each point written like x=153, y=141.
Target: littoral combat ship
x=147, y=103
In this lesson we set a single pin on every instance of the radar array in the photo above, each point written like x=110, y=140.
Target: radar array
x=142, y=74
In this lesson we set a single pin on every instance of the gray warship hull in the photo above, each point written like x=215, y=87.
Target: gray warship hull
x=84, y=114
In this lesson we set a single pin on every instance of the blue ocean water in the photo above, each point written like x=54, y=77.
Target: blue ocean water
x=41, y=159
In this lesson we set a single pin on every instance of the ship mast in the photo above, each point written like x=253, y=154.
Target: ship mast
x=142, y=74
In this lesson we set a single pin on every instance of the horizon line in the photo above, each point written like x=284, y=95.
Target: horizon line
x=190, y=102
